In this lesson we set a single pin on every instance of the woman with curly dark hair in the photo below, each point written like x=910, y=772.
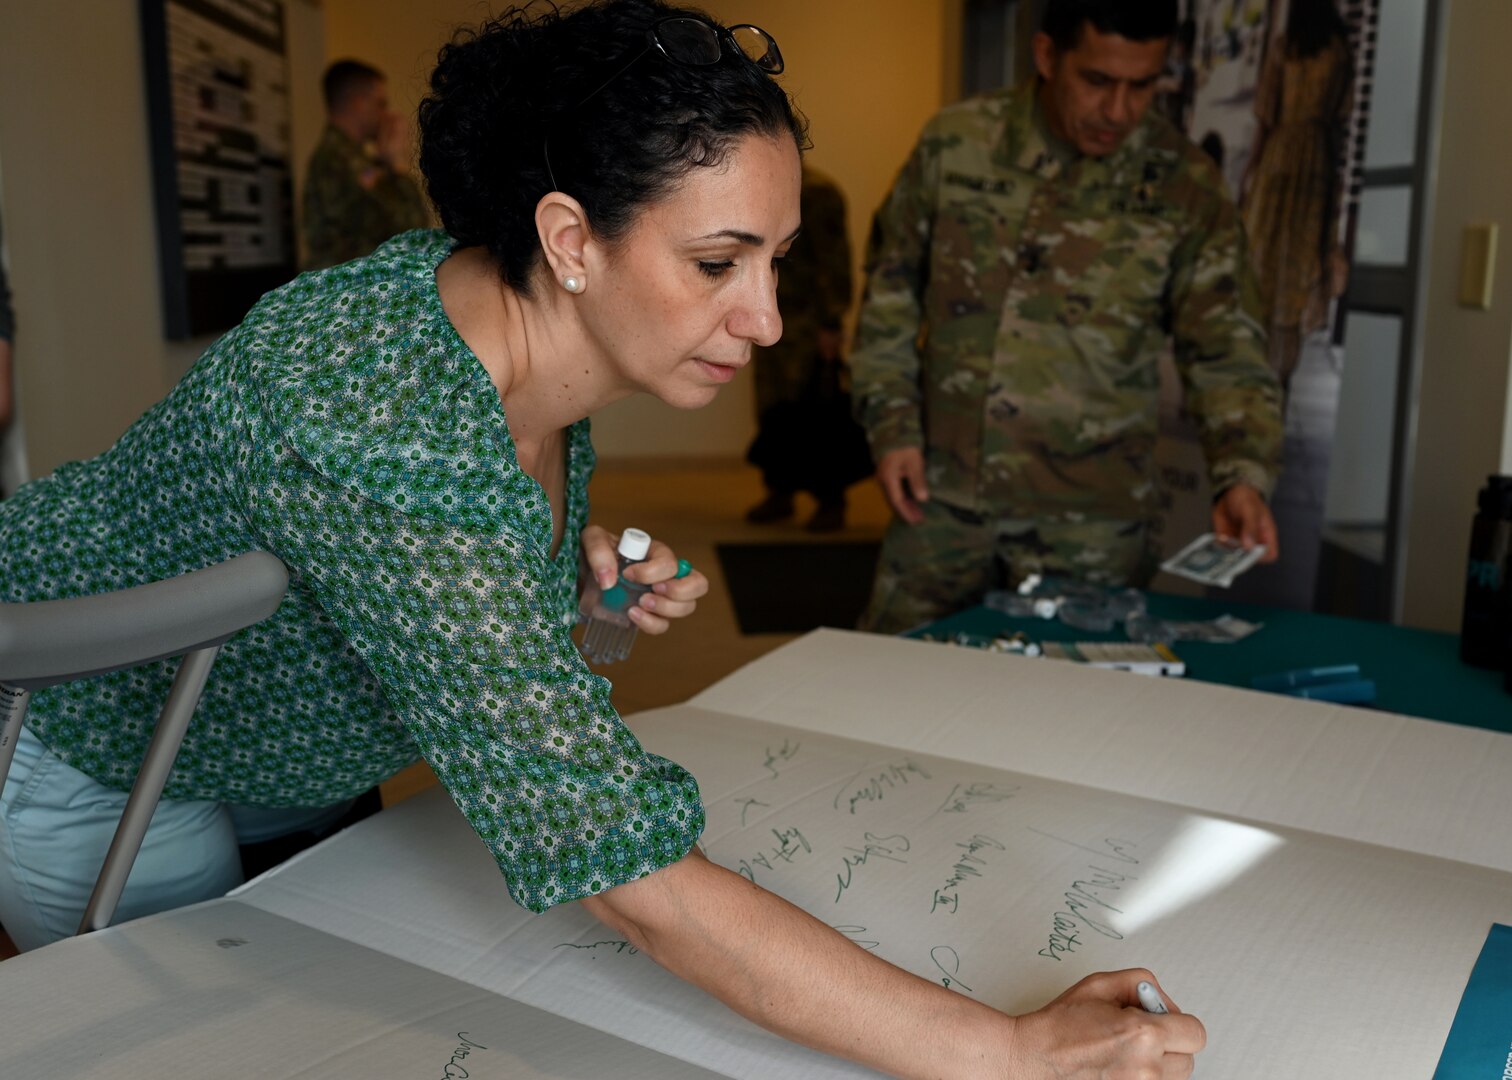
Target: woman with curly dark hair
x=408, y=433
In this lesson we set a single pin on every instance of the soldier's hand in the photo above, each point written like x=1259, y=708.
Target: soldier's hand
x=394, y=145
x=901, y=474
x=1241, y=515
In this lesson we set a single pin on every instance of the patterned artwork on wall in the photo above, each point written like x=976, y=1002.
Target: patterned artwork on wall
x=1284, y=115
x=1364, y=18
x=1213, y=85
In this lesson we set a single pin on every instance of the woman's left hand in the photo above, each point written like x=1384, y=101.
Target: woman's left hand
x=670, y=597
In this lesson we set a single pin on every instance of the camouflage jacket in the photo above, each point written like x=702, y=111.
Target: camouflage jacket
x=1019, y=299
x=353, y=202
x=814, y=291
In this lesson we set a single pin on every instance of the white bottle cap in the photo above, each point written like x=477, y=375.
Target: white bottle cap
x=634, y=544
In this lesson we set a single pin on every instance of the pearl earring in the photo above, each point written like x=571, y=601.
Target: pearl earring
x=572, y=284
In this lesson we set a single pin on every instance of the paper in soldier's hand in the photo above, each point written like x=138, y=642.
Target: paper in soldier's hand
x=1213, y=560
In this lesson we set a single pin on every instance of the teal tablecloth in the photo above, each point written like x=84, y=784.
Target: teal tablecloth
x=1416, y=672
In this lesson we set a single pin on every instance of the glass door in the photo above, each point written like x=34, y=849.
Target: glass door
x=1365, y=509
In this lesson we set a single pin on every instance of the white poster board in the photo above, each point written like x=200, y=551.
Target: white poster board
x=1285, y=889
x=1008, y=885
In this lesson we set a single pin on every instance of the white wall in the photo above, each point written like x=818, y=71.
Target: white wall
x=1359, y=463
x=1464, y=420
x=90, y=352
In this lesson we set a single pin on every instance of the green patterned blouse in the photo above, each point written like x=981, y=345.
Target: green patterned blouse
x=345, y=427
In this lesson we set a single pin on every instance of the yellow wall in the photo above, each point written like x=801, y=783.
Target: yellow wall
x=1464, y=417
x=77, y=199
x=80, y=235
x=867, y=73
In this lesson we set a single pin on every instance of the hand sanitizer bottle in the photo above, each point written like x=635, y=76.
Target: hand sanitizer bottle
x=610, y=633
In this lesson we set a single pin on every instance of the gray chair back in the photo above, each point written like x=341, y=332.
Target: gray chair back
x=56, y=641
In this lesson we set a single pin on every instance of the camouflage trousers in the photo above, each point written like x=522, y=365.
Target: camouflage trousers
x=950, y=559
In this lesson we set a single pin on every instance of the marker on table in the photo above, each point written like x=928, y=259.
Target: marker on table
x=1282, y=681
x=1149, y=999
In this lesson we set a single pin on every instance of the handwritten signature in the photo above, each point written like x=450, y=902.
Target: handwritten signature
x=454, y=1069
x=1086, y=899
x=966, y=866
x=608, y=946
x=745, y=806
x=881, y=847
x=789, y=843
x=983, y=791
x=854, y=933
x=948, y=961
x=877, y=785
x=782, y=755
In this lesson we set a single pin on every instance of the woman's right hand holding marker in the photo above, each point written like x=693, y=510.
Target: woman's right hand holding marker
x=1099, y=1030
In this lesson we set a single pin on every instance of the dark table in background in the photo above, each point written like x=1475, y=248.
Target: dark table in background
x=1416, y=672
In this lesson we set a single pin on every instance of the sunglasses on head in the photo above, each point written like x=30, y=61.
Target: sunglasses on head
x=692, y=42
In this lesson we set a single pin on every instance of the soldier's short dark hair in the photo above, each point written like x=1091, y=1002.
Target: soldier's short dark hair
x=346, y=78
x=498, y=93
x=1137, y=20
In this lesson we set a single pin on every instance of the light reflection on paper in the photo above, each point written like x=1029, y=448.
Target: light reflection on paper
x=1204, y=855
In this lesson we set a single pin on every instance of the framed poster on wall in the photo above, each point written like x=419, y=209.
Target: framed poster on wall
x=218, y=118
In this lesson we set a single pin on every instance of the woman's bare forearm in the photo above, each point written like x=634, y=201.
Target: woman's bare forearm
x=785, y=970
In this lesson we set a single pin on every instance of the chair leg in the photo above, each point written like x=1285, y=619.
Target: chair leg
x=172, y=723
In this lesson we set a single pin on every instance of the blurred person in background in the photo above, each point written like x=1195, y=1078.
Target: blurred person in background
x=358, y=190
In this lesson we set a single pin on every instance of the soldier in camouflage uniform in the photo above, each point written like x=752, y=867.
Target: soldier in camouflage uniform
x=1035, y=255
x=814, y=292
x=358, y=191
